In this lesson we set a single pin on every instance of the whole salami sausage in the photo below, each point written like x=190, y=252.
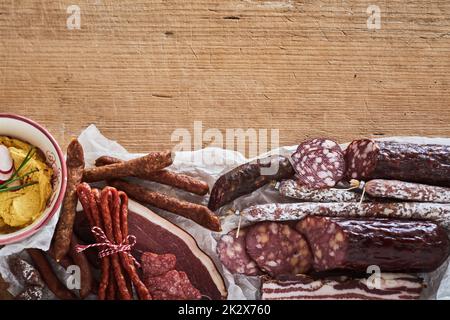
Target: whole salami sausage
x=392, y=245
x=291, y=189
x=437, y=212
x=368, y=159
x=233, y=255
x=247, y=178
x=167, y=177
x=278, y=249
x=410, y=191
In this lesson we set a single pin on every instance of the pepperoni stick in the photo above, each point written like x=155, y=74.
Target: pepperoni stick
x=80, y=259
x=90, y=200
x=401, y=190
x=48, y=275
x=110, y=196
x=75, y=166
x=170, y=178
x=128, y=264
x=198, y=213
x=152, y=162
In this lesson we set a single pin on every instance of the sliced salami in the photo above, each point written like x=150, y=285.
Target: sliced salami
x=428, y=163
x=278, y=249
x=292, y=189
x=233, y=255
x=319, y=163
x=392, y=245
x=395, y=189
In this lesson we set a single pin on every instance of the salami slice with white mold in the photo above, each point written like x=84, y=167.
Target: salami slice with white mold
x=278, y=249
x=319, y=163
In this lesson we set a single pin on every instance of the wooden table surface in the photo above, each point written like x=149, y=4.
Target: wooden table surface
x=141, y=69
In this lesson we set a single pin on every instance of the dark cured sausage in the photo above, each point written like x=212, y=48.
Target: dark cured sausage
x=170, y=178
x=409, y=191
x=64, y=228
x=392, y=245
x=152, y=162
x=196, y=212
x=368, y=159
x=278, y=249
x=436, y=212
x=247, y=178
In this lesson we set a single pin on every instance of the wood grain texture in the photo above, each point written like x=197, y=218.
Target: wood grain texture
x=140, y=69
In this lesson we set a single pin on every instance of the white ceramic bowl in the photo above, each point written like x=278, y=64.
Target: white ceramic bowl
x=29, y=131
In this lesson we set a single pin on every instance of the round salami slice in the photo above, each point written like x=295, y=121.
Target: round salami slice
x=361, y=158
x=319, y=165
x=278, y=249
x=232, y=254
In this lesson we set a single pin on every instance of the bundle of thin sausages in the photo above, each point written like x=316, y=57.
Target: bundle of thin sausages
x=108, y=210
x=151, y=167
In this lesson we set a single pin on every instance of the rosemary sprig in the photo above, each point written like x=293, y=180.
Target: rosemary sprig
x=18, y=187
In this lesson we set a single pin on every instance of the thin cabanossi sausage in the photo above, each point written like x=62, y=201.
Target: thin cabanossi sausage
x=154, y=161
x=292, y=189
x=167, y=177
x=109, y=200
x=195, y=212
x=48, y=275
x=64, y=228
x=391, y=244
x=247, y=178
x=436, y=212
x=90, y=201
x=409, y=191
x=422, y=163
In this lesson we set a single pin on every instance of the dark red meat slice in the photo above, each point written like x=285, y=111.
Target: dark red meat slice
x=173, y=285
x=392, y=245
x=157, y=264
x=278, y=249
x=319, y=167
x=233, y=255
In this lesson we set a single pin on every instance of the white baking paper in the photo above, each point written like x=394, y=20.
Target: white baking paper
x=208, y=164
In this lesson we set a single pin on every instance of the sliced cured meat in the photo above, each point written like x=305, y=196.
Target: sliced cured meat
x=233, y=255
x=392, y=245
x=157, y=264
x=423, y=163
x=163, y=281
x=292, y=189
x=410, y=191
x=278, y=249
x=393, y=286
x=319, y=163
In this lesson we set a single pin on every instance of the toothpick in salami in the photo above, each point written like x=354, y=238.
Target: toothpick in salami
x=247, y=178
x=167, y=177
x=393, y=286
x=154, y=161
x=391, y=244
x=408, y=191
x=64, y=228
x=423, y=163
x=292, y=189
x=436, y=212
x=195, y=212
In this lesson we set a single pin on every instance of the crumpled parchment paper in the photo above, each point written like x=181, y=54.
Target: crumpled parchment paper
x=209, y=164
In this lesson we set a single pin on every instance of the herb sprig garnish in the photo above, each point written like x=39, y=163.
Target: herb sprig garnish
x=16, y=177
